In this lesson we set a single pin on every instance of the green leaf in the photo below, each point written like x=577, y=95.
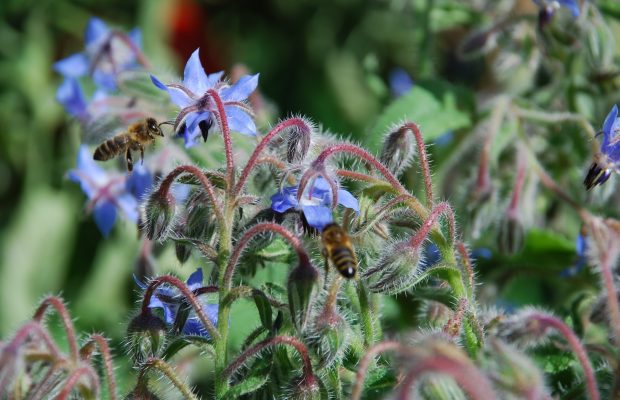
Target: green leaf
x=264, y=308
x=248, y=385
x=434, y=113
x=177, y=345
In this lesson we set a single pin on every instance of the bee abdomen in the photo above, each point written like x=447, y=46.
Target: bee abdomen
x=344, y=261
x=110, y=148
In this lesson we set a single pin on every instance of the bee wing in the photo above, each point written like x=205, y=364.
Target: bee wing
x=99, y=130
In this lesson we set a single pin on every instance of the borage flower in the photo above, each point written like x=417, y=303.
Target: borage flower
x=195, y=119
x=315, y=205
x=106, y=191
x=108, y=52
x=547, y=9
x=608, y=158
x=169, y=301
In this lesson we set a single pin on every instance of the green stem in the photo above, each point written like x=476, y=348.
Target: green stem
x=221, y=345
x=365, y=312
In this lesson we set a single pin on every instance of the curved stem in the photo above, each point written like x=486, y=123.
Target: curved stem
x=223, y=122
x=470, y=379
x=247, y=237
x=358, y=176
x=424, y=164
x=297, y=123
x=96, y=340
x=164, y=368
x=361, y=153
x=440, y=209
x=469, y=270
x=367, y=360
x=206, y=184
x=74, y=379
x=246, y=291
x=518, y=185
x=403, y=198
x=576, y=346
x=252, y=351
x=32, y=328
x=67, y=324
x=171, y=280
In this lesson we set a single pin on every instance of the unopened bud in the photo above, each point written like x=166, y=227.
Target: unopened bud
x=141, y=392
x=511, y=234
x=302, y=284
x=329, y=336
x=146, y=335
x=397, y=269
x=514, y=372
x=304, y=388
x=297, y=144
x=398, y=150
x=523, y=328
x=158, y=214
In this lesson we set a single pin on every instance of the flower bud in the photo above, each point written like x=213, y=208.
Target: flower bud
x=329, y=336
x=141, y=392
x=514, y=372
x=304, y=388
x=522, y=328
x=302, y=284
x=146, y=335
x=158, y=213
x=397, y=269
x=398, y=150
x=511, y=234
x=297, y=144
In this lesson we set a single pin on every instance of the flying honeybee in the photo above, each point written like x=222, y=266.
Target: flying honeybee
x=134, y=138
x=338, y=249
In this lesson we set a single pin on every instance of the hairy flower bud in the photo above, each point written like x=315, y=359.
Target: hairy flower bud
x=302, y=284
x=396, y=270
x=329, y=336
x=304, y=388
x=297, y=144
x=522, y=329
x=514, y=372
x=511, y=234
x=158, y=213
x=145, y=336
x=398, y=150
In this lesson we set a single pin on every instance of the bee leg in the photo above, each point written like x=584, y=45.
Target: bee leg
x=141, y=154
x=129, y=160
x=326, y=266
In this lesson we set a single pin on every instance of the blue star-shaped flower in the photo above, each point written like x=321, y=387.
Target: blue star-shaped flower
x=581, y=248
x=169, y=301
x=315, y=205
x=106, y=192
x=108, y=52
x=191, y=96
x=608, y=158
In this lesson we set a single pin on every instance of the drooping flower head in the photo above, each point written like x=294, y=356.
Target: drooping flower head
x=169, y=300
x=547, y=9
x=108, y=52
x=608, y=158
x=195, y=118
x=107, y=192
x=315, y=204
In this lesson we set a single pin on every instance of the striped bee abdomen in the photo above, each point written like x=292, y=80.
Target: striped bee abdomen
x=110, y=148
x=344, y=261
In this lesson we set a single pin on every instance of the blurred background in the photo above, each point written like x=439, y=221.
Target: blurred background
x=342, y=63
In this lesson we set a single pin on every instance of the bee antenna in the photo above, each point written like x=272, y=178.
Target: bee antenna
x=166, y=123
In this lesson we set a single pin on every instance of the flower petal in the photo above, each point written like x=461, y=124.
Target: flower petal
x=139, y=182
x=135, y=35
x=284, y=200
x=95, y=31
x=214, y=78
x=88, y=174
x=158, y=83
x=318, y=216
x=241, y=89
x=572, y=6
x=195, y=279
x=70, y=95
x=240, y=121
x=346, y=199
x=73, y=66
x=194, y=76
x=608, y=127
x=129, y=205
x=105, y=216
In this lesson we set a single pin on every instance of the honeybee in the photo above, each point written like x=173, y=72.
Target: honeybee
x=133, y=139
x=338, y=249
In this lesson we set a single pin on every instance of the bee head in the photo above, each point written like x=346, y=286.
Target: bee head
x=153, y=127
